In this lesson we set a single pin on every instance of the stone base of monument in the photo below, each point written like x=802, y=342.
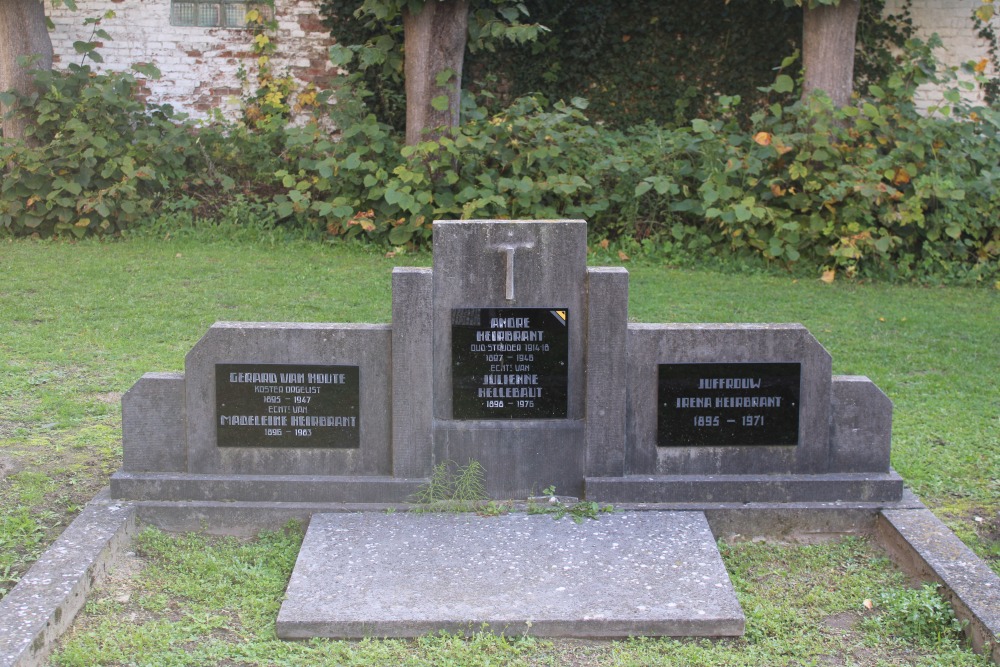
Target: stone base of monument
x=818, y=488
x=263, y=488
x=406, y=575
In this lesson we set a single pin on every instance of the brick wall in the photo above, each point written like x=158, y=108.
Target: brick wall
x=199, y=65
x=952, y=21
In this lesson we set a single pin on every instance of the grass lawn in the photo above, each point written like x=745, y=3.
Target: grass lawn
x=81, y=323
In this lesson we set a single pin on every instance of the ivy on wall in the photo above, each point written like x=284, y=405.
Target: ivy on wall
x=661, y=60
x=985, y=29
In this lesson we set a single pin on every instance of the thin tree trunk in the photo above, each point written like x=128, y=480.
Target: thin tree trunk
x=22, y=33
x=434, y=43
x=828, y=39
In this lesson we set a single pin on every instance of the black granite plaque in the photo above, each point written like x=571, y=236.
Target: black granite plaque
x=278, y=405
x=728, y=404
x=509, y=363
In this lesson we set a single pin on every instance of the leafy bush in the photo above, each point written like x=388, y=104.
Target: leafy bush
x=99, y=158
x=525, y=162
x=871, y=189
x=94, y=159
x=875, y=187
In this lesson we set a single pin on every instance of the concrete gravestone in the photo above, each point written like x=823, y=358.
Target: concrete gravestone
x=513, y=353
x=510, y=352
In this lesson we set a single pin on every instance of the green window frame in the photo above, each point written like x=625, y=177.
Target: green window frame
x=212, y=13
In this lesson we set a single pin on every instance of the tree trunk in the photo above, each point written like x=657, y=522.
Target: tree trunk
x=828, y=38
x=22, y=33
x=434, y=43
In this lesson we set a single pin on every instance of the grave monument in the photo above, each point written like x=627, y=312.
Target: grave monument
x=511, y=352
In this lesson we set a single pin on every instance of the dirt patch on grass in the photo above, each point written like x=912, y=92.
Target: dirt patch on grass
x=987, y=524
x=843, y=622
x=7, y=467
x=984, y=525
x=111, y=397
x=126, y=566
x=578, y=652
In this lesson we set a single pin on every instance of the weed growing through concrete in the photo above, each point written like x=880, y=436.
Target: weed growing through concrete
x=586, y=509
x=453, y=488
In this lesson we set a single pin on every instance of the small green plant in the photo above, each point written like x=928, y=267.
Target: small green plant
x=496, y=508
x=586, y=509
x=453, y=488
x=920, y=615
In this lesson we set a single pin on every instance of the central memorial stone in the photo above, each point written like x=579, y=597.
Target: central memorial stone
x=508, y=349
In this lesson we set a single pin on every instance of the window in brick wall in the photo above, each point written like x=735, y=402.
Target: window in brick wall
x=213, y=13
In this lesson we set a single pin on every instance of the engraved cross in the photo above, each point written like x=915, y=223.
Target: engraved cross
x=508, y=249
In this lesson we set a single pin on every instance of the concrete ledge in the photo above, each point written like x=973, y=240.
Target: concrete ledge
x=796, y=522
x=49, y=596
x=262, y=488
x=923, y=546
x=243, y=519
x=702, y=489
x=406, y=575
x=43, y=605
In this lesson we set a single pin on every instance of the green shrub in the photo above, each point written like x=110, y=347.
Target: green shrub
x=94, y=160
x=871, y=189
x=525, y=162
x=99, y=159
x=874, y=187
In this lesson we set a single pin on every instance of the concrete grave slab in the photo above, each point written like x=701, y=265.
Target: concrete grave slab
x=405, y=575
